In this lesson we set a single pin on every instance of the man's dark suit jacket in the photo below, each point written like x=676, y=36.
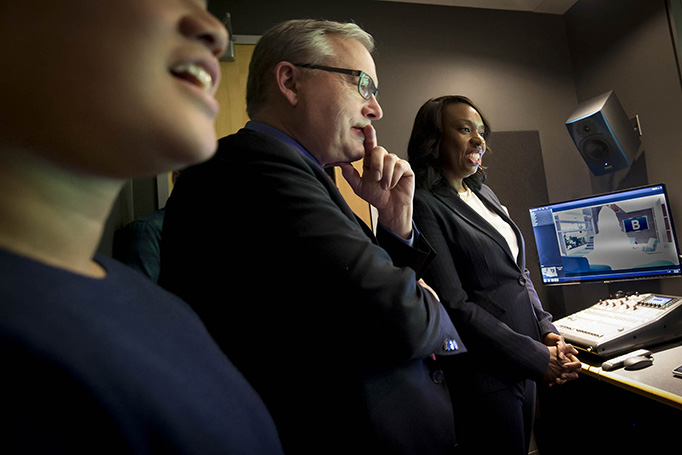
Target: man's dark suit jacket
x=487, y=292
x=330, y=328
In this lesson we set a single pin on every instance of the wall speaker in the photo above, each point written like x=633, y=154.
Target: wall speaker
x=605, y=136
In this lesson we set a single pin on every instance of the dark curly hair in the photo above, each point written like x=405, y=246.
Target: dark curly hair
x=423, y=150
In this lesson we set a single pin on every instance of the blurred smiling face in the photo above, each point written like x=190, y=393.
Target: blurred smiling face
x=111, y=87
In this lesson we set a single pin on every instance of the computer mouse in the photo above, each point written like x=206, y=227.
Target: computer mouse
x=638, y=362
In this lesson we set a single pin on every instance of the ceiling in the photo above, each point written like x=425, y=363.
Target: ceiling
x=537, y=6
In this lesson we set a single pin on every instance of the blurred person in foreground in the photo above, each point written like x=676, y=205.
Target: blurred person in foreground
x=95, y=356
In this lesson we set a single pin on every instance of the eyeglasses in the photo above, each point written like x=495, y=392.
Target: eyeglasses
x=366, y=86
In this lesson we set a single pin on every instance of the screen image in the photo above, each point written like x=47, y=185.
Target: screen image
x=626, y=234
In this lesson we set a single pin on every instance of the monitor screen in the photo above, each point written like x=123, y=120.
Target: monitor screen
x=624, y=235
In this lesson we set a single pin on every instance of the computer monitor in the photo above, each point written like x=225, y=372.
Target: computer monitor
x=623, y=235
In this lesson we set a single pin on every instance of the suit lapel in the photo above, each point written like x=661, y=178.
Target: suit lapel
x=288, y=150
x=472, y=218
x=497, y=208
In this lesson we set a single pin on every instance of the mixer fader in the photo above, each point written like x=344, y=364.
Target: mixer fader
x=624, y=323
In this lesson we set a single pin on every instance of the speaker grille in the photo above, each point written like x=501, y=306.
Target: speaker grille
x=597, y=148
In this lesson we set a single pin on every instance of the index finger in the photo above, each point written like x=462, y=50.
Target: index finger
x=370, y=144
x=370, y=138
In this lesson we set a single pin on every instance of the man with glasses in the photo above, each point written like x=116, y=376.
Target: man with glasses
x=331, y=325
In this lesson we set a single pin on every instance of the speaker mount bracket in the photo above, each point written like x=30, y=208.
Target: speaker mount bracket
x=636, y=125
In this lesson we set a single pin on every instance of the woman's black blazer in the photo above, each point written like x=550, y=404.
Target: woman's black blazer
x=487, y=292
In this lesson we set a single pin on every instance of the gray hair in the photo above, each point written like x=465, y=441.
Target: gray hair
x=295, y=41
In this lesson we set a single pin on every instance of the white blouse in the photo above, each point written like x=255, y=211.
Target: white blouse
x=470, y=198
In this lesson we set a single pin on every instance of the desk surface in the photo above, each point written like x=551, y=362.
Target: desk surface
x=656, y=381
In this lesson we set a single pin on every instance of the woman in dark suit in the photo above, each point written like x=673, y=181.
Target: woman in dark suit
x=480, y=275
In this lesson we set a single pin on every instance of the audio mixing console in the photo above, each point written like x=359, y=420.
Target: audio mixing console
x=616, y=325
